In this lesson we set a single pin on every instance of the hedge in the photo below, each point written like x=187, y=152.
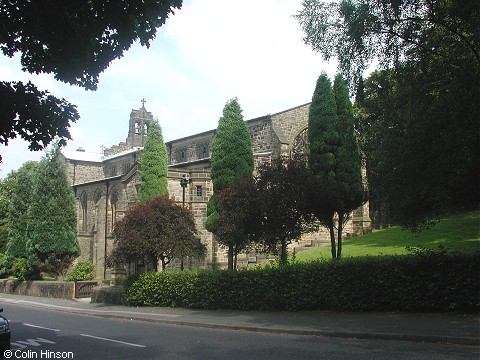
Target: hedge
x=426, y=281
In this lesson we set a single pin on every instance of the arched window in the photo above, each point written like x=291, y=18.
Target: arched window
x=96, y=199
x=145, y=129
x=137, y=128
x=113, y=207
x=83, y=204
x=299, y=149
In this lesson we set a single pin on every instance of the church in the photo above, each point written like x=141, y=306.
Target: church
x=106, y=185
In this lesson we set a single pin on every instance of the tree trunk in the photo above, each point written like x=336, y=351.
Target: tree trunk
x=340, y=230
x=332, y=240
x=230, y=257
x=283, y=254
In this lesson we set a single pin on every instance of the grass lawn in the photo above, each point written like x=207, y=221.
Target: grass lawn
x=458, y=233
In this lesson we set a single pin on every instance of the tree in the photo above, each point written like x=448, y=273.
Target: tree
x=334, y=158
x=52, y=219
x=419, y=118
x=6, y=187
x=154, y=169
x=421, y=144
x=157, y=230
x=238, y=205
x=349, y=189
x=231, y=161
x=358, y=31
x=20, y=202
x=76, y=42
x=283, y=191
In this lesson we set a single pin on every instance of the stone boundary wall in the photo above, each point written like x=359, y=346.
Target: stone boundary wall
x=53, y=289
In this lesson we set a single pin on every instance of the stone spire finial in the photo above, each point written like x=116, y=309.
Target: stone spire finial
x=143, y=102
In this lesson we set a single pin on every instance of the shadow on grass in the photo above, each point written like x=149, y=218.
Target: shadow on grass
x=457, y=233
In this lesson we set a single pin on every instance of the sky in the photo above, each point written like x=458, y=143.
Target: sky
x=207, y=53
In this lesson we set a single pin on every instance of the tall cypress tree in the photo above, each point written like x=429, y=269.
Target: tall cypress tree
x=21, y=198
x=334, y=156
x=349, y=184
x=52, y=221
x=154, y=168
x=231, y=161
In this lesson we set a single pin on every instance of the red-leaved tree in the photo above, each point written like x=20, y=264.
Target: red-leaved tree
x=156, y=231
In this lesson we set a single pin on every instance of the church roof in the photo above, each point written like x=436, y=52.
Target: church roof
x=95, y=157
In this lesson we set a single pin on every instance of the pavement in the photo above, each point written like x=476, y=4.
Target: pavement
x=453, y=328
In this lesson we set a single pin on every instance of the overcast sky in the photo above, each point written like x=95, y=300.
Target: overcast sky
x=207, y=53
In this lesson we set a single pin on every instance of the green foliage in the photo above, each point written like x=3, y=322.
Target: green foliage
x=232, y=157
x=84, y=270
x=334, y=158
x=157, y=230
x=424, y=281
x=231, y=161
x=460, y=233
x=154, y=169
x=322, y=133
x=19, y=268
x=98, y=33
x=20, y=201
x=6, y=187
x=358, y=31
x=52, y=220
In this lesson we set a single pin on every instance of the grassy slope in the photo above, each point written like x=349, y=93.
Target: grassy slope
x=458, y=233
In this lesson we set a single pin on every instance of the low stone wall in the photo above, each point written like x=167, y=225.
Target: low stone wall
x=54, y=289
x=113, y=295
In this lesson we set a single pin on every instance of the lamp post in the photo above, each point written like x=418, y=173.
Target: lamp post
x=183, y=183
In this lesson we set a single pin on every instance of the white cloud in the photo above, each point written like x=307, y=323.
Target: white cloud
x=207, y=53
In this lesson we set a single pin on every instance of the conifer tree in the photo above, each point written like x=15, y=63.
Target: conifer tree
x=231, y=161
x=52, y=222
x=21, y=198
x=349, y=184
x=154, y=167
x=334, y=158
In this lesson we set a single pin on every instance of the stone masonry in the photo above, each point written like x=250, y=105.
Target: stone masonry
x=106, y=184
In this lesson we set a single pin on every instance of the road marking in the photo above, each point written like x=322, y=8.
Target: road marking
x=112, y=340
x=22, y=344
x=84, y=310
x=40, y=327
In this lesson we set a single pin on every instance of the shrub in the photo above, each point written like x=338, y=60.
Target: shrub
x=423, y=281
x=83, y=271
x=19, y=268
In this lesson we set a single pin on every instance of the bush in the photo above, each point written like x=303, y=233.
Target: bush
x=423, y=281
x=83, y=271
x=19, y=268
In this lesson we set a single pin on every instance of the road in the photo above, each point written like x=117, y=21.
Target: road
x=48, y=334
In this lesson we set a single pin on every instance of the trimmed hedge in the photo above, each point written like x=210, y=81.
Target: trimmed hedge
x=426, y=281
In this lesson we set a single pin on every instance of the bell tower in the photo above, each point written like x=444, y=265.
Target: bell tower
x=138, y=126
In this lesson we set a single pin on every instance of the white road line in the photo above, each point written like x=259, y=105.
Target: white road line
x=84, y=311
x=112, y=340
x=40, y=327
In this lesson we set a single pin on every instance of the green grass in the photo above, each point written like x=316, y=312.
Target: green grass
x=456, y=233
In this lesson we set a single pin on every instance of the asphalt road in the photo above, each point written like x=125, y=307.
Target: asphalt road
x=48, y=334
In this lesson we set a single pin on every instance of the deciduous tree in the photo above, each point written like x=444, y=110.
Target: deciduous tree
x=76, y=41
x=157, y=230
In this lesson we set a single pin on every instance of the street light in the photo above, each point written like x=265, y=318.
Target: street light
x=183, y=183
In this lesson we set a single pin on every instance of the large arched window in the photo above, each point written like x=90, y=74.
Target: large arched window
x=96, y=200
x=83, y=204
x=299, y=149
x=113, y=207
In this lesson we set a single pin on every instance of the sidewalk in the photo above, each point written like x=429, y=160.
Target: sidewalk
x=454, y=328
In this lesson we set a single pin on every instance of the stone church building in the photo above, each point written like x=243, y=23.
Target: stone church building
x=106, y=184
